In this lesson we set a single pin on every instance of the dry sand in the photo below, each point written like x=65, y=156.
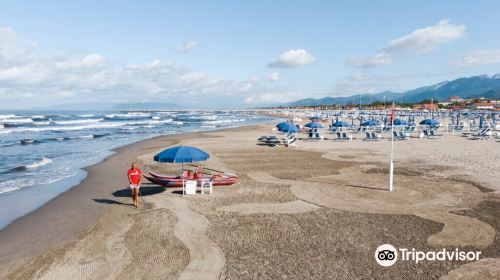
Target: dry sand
x=317, y=211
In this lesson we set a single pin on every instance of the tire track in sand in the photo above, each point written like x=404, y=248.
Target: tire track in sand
x=207, y=258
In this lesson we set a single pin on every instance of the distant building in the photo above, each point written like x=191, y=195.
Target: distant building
x=455, y=99
x=425, y=106
x=483, y=106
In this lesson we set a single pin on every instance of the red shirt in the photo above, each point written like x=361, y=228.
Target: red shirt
x=135, y=175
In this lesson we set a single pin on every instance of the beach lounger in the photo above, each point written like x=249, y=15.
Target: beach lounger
x=485, y=133
x=343, y=137
x=371, y=136
x=433, y=133
x=376, y=136
x=269, y=140
x=403, y=136
x=428, y=135
x=290, y=140
x=395, y=136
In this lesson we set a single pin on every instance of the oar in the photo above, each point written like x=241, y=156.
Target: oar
x=215, y=170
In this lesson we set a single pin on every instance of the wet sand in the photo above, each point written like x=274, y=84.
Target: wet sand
x=317, y=211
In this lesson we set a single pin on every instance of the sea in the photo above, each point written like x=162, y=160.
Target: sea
x=42, y=154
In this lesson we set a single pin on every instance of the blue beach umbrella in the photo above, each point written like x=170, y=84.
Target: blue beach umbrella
x=340, y=124
x=181, y=154
x=430, y=122
x=313, y=125
x=400, y=122
x=282, y=125
x=370, y=123
x=290, y=129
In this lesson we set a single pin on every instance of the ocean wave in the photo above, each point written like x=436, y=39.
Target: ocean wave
x=126, y=116
x=85, y=115
x=16, y=120
x=224, y=121
x=78, y=121
x=5, y=189
x=38, y=117
x=42, y=162
x=62, y=128
x=42, y=123
x=10, y=116
x=27, y=141
x=21, y=182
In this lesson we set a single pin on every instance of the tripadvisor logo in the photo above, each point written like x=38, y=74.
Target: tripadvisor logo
x=387, y=255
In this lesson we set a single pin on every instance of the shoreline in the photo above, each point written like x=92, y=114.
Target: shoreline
x=47, y=227
x=263, y=225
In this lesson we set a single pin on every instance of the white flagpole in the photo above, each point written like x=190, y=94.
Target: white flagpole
x=391, y=165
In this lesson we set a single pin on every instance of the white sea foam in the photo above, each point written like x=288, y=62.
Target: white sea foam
x=224, y=121
x=16, y=120
x=38, y=117
x=63, y=128
x=85, y=115
x=40, y=163
x=78, y=121
x=126, y=116
x=8, y=116
x=42, y=123
x=4, y=189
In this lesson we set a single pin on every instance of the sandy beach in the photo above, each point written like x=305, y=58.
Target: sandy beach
x=315, y=211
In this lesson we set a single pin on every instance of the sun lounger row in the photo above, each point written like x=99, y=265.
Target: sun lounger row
x=275, y=141
x=269, y=140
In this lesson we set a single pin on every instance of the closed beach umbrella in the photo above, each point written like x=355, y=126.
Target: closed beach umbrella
x=181, y=154
x=313, y=125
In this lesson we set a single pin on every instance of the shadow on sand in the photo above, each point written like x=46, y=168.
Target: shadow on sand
x=110, y=201
x=145, y=191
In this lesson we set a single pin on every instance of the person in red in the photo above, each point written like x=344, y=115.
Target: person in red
x=134, y=178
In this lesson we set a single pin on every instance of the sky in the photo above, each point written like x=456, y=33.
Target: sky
x=222, y=54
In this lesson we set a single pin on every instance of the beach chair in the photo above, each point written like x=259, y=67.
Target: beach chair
x=433, y=133
x=339, y=136
x=269, y=140
x=403, y=136
x=427, y=134
x=369, y=137
x=206, y=184
x=375, y=136
x=483, y=134
x=290, y=140
x=395, y=135
x=346, y=137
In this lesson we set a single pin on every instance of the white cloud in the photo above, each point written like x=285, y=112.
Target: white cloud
x=419, y=41
x=378, y=59
x=273, y=77
x=480, y=57
x=70, y=78
x=292, y=58
x=428, y=38
x=185, y=47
